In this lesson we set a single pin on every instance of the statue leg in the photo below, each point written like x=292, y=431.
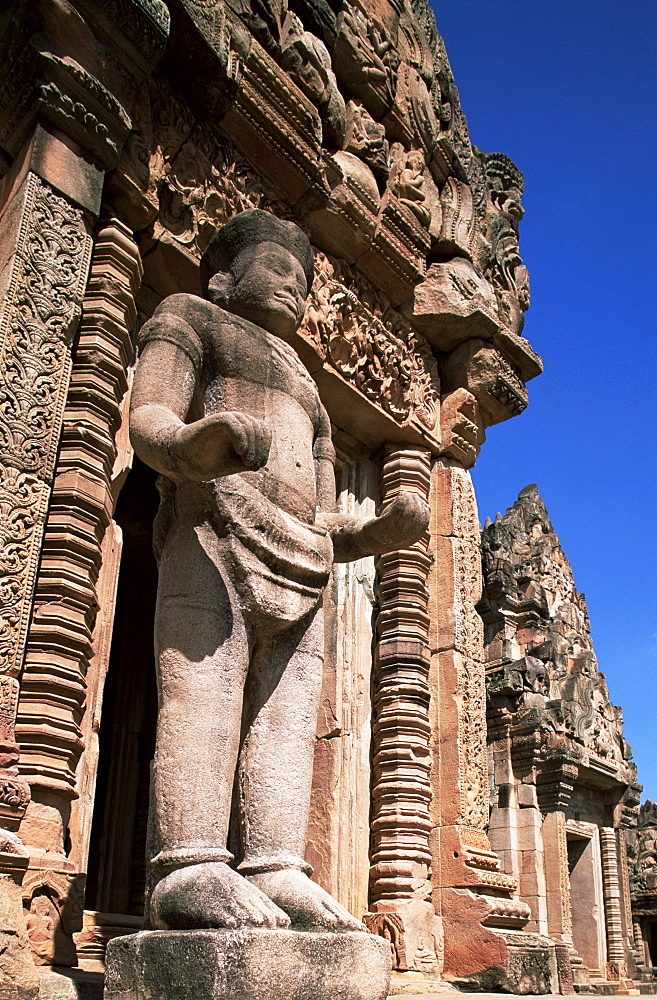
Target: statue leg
x=275, y=774
x=202, y=649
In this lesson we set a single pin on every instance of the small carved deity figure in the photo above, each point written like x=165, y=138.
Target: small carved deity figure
x=223, y=408
x=367, y=139
x=409, y=186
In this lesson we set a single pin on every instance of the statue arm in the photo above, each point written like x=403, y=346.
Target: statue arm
x=399, y=525
x=219, y=444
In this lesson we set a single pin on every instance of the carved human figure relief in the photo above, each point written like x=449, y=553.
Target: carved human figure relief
x=223, y=408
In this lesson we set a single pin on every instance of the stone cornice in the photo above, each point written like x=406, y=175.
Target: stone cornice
x=73, y=67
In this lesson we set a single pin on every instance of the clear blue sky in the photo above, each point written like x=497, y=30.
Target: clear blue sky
x=567, y=89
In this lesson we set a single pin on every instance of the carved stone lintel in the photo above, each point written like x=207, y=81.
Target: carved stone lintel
x=273, y=122
x=372, y=347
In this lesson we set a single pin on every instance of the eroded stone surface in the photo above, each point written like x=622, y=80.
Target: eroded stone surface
x=244, y=964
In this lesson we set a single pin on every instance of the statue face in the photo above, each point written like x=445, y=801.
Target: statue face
x=269, y=288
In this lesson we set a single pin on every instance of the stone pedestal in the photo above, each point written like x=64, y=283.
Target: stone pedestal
x=247, y=964
x=19, y=979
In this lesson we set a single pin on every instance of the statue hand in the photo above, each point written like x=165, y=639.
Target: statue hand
x=221, y=444
x=399, y=525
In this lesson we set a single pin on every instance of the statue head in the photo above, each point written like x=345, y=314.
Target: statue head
x=260, y=268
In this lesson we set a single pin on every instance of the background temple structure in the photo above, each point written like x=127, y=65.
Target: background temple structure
x=130, y=130
x=564, y=796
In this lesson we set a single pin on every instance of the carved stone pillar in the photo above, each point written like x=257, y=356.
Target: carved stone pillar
x=402, y=909
x=66, y=598
x=61, y=128
x=611, y=889
x=557, y=885
x=464, y=867
x=339, y=830
x=46, y=248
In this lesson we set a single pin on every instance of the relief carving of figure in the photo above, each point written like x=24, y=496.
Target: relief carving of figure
x=308, y=61
x=246, y=533
x=409, y=186
x=365, y=60
x=367, y=139
x=508, y=274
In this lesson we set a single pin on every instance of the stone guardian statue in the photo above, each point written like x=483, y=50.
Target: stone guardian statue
x=224, y=410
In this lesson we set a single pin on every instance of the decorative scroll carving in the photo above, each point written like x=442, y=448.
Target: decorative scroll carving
x=469, y=640
x=53, y=902
x=65, y=603
x=401, y=792
x=41, y=308
x=23, y=501
x=371, y=345
x=42, y=305
x=193, y=180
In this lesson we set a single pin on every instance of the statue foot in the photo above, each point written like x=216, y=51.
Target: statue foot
x=211, y=895
x=305, y=902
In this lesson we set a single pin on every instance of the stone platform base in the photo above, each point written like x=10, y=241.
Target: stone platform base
x=247, y=964
x=530, y=967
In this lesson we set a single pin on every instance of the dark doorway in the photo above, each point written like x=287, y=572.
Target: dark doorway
x=117, y=867
x=652, y=943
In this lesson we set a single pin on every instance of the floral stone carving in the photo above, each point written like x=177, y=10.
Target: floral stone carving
x=371, y=345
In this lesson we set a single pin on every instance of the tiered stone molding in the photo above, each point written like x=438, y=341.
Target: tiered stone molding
x=401, y=794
